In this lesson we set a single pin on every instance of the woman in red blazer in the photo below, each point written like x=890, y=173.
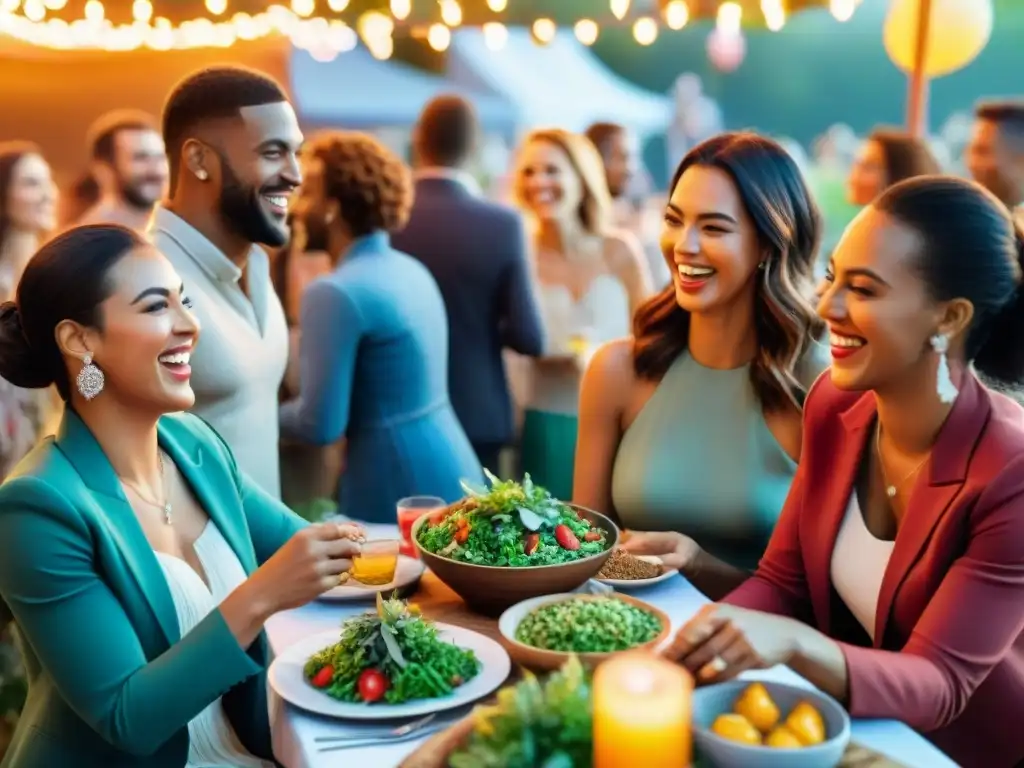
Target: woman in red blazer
x=895, y=577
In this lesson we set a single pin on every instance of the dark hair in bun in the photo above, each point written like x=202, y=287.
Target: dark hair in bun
x=66, y=279
x=972, y=250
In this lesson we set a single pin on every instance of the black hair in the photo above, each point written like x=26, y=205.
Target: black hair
x=446, y=131
x=906, y=155
x=11, y=153
x=210, y=94
x=788, y=224
x=66, y=279
x=601, y=133
x=972, y=250
x=1008, y=115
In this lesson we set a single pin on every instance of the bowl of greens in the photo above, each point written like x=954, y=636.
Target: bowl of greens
x=532, y=723
x=545, y=632
x=388, y=663
x=513, y=541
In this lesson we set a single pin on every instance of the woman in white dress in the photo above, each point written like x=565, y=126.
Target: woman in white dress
x=590, y=280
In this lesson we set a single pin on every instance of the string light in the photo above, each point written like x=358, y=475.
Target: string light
x=730, y=17
x=544, y=30
x=586, y=31
x=401, y=9
x=677, y=13
x=645, y=30
x=495, y=35
x=439, y=37
x=774, y=14
x=31, y=22
x=451, y=12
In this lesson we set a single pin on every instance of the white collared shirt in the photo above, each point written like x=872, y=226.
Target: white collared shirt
x=240, y=360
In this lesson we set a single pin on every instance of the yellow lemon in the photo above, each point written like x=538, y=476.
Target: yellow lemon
x=735, y=728
x=757, y=706
x=806, y=724
x=782, y=738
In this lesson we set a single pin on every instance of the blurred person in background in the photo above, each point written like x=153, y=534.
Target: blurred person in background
x=232, y=140
x=374, y=353
x=995, y=152
x=591, y=279
x=477, y=252
x=128, y=170
x=620, y=152
x=690, y=430
x=885, y=158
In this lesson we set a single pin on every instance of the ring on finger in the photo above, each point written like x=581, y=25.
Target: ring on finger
x=713, y=668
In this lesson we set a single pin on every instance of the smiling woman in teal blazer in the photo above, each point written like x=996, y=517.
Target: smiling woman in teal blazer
x=89, y=517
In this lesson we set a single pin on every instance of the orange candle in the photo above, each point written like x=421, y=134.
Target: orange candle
x=641, y=713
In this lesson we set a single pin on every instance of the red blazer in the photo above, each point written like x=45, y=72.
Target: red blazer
x=949, y=655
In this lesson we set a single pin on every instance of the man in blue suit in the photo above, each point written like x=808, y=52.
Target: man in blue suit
x=477, y=252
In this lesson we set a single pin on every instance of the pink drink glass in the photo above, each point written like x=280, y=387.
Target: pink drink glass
x=410, y=510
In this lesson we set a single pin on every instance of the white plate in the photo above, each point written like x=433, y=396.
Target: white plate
x=408, y=572
x=286, y=678
x=628, y=584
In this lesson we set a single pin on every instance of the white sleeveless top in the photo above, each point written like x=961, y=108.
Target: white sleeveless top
x=858, y=566
x=600, y=316
x=212, y=741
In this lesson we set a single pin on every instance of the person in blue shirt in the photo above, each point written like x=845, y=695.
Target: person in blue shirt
x=374, y=351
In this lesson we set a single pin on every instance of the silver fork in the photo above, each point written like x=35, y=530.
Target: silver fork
x=394, y=733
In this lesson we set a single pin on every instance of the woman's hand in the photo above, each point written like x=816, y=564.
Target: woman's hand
x=722, y=641
x=675, y=550
x=310, y=562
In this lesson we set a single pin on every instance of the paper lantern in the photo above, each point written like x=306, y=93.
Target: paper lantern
x=726, y=50
x=957, y=32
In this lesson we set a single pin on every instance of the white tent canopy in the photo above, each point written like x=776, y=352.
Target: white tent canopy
x=356, y=90
x=560, y=84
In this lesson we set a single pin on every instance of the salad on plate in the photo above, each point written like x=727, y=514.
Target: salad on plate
x=511, y=524
x=392, y=655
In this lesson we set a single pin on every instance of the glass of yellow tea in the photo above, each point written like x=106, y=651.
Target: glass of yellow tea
x=377, y=562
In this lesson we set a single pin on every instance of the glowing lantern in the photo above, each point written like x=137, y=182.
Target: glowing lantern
x=958, y=30
x=726, y=49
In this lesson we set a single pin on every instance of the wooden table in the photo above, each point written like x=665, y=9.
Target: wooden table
x=295, y=731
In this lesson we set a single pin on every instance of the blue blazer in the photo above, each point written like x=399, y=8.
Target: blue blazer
x=112, y=683
x=477, y=252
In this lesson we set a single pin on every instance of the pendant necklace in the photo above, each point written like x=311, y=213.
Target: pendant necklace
x=165, y=506
x=892, y=489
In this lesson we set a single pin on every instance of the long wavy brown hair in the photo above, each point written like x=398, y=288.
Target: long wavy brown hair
x=788, y=226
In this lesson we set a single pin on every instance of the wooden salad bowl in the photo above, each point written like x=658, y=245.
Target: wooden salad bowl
x=490, y=589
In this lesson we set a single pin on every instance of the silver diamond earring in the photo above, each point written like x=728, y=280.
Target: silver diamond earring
x=90, y=379
x=944, y=386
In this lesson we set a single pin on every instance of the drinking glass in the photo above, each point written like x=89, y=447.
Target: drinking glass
x=376, y=562
x=410, y=510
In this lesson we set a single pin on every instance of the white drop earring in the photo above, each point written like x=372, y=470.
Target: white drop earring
x=944, y=386
x=201, y=175
x=90, y=379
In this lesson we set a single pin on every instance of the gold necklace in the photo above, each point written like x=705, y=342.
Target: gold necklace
x=891, y=490
x=165, y=506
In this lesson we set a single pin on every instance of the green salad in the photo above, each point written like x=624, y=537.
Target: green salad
x=534, y=725
x=391, y=655
x=512, y=524
x=588, y=625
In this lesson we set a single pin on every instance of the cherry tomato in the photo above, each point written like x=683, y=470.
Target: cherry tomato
x=323, y=677
x=531, y=543
x=566, y=538
x=372, y=685
x=462, y=534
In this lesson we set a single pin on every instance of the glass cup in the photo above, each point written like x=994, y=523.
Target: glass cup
x=377, y=562
x=410, y=510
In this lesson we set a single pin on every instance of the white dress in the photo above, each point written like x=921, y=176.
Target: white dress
x=212, y=741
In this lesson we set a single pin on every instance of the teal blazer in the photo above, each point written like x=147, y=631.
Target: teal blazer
x=112, y=683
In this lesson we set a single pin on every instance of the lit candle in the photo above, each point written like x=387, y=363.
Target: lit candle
x=641, y=713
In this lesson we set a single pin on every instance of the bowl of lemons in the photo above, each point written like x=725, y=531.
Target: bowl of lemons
x=768, y=725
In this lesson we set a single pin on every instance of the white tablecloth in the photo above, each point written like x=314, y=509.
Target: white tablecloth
x=295, y=731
